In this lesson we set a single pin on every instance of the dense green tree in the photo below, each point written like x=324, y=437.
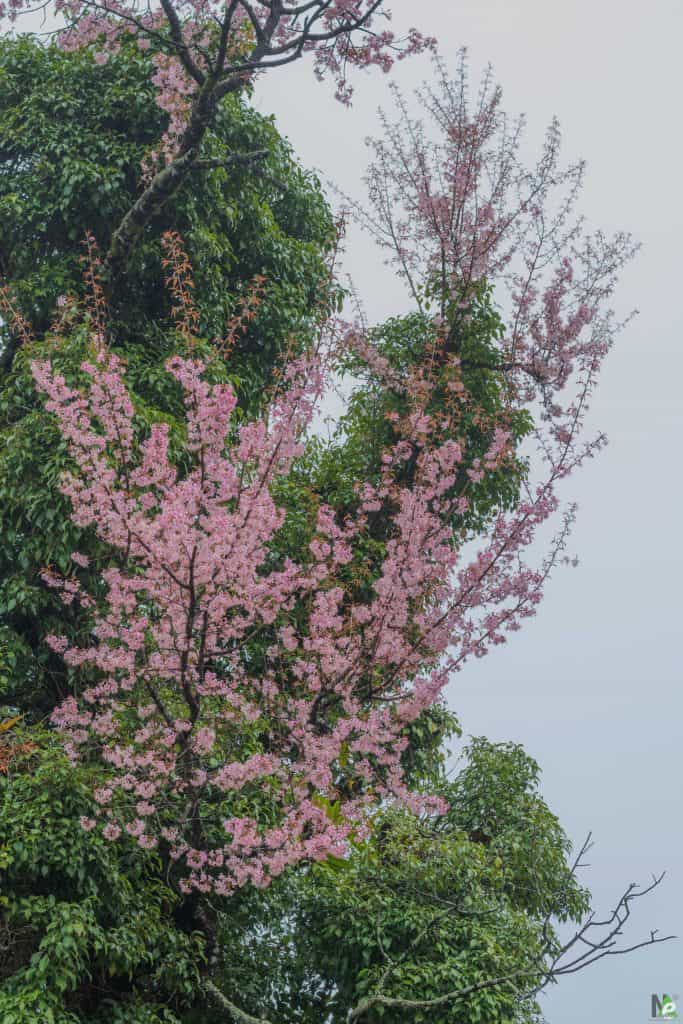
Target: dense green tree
x=421, y=908
x=73, y=137
x=87, y=929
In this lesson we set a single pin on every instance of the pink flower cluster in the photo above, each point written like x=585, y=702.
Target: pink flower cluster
x=459, y=211
x=188, y=720
x=200, y=40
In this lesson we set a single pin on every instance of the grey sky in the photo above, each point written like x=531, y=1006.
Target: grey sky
x=591, y=687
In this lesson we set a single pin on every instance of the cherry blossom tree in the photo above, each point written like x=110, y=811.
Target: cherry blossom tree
x=178, y=713
x=247, y=700
x=459, y=211
x=181, y=712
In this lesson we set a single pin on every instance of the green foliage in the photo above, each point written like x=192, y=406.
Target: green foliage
x=73, y=136
x=37, y=532
x=353, y=453
x=88, y=934
x=449, y=902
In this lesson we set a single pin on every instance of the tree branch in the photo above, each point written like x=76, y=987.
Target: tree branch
x=182, y=49
x=237, y=1015
x=235, y=159
x=396, y=1002
x=549, y=965
x=221, y=80
x=162, y=187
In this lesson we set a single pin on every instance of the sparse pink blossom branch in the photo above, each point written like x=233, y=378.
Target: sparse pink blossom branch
x=457, y=209
x=203, y=50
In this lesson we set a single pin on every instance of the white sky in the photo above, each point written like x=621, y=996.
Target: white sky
x=591, y=687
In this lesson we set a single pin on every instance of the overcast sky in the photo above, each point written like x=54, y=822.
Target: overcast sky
x=592, y=685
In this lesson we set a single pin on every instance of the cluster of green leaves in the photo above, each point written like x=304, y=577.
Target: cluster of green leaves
x=87, y=928
x=473, y=330
x=73, y=136
x=420, y=909
x=37, y=533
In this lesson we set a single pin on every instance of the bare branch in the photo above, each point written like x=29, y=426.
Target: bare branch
x=550, y=964
x=182, y=49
